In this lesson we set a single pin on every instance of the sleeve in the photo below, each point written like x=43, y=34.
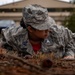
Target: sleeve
x=7, y=41
x=69, y=43
x=4, y=43
x=73, y=34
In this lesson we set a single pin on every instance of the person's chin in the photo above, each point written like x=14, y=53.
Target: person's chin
x=45, y=36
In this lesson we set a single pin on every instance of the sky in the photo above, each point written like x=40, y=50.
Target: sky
x=65, y=0
x=9, y=1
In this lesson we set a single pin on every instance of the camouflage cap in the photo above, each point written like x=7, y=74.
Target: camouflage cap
x=37, y=17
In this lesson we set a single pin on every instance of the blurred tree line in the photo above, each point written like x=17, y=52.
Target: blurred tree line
x=72, y=1
x=70, y=20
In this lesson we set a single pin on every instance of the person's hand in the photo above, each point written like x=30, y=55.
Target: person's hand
x=2, y=50
x=28, y=57
x=69, y=57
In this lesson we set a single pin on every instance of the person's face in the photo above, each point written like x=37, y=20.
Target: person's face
x=39, y=33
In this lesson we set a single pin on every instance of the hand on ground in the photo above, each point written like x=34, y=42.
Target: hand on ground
x=69, y=57
x=2, y=51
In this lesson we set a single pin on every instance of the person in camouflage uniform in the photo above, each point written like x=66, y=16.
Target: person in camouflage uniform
x=38, y=32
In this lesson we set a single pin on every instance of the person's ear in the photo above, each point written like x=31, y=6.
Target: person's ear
x=29, y=29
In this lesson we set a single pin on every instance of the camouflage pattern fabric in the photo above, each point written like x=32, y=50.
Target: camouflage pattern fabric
x=60, y=41
x=37, y=17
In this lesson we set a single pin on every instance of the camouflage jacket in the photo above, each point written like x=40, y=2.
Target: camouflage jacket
x=60, y=41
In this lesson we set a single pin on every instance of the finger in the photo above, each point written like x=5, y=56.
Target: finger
x=2, y=51
x=28, y=57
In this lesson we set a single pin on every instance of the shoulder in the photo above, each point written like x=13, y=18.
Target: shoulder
x=60, y=29
x=12, y=31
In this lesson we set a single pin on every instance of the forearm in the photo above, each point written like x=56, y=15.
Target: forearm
x=69, y=53
x=2, y=50
x=69, y=44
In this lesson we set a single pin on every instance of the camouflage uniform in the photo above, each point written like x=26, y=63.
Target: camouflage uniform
x=59, y=41
x=73, y=34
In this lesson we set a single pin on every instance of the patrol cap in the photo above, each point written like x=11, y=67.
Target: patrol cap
x=37, y=17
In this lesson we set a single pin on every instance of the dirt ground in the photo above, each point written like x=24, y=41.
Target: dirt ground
x=13, y=65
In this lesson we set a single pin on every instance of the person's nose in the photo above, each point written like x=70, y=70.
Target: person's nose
x=46, y=31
